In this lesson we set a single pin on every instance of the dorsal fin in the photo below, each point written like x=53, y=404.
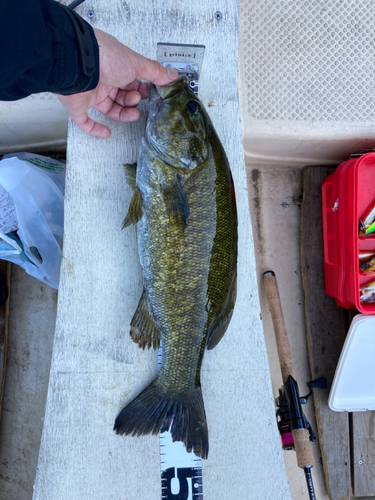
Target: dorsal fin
x=131, y=174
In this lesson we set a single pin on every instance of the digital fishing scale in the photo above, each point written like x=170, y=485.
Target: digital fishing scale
x=187, y=59
x=181, y=472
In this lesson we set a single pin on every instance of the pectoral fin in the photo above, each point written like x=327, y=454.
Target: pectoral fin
x=221, y=324
x=176, y=202
x=131, y=173
x=135, y=209
x=143, y=329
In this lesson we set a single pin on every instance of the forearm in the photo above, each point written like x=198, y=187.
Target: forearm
x=41, y=51
x=46, y=47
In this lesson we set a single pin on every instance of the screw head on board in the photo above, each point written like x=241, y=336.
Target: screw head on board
x=218, y=16
x=91, y=13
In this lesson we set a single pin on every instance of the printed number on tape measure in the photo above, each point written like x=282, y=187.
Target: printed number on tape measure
x=181, y=484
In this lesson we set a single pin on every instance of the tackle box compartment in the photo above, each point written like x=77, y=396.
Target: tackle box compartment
x=346, y=195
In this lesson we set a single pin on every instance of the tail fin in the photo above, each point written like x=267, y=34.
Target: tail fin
x=155, y=410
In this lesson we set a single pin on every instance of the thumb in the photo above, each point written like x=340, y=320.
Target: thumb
x=88, y=125
x=154, y=72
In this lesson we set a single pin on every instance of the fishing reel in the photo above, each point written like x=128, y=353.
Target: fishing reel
x=289, y=413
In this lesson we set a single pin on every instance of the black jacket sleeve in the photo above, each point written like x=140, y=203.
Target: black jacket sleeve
x=44, y=46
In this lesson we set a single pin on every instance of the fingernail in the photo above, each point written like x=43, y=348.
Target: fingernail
x=103, y=133
x=172, y=73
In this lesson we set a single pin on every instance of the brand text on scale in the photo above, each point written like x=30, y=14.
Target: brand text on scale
x=179, y=54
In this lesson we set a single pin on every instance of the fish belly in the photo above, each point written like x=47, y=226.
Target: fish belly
x=176, y=264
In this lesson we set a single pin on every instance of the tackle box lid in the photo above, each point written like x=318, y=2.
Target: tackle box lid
x=353, y=387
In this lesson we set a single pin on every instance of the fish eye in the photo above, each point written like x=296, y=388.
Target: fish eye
x=193, y=107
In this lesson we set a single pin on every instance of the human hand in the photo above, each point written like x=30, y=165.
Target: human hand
x=119, y=89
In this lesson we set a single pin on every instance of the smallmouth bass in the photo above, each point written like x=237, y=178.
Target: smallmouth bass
x=185, y=208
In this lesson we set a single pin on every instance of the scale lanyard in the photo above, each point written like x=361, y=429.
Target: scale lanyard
x=181, y=472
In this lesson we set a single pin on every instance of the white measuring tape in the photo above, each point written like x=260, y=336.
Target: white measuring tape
x=181, y=472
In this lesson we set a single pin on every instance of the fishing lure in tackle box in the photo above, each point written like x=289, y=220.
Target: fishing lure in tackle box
x=365, y=255
x=367, y=262
x=367, y=222
x=367, y=293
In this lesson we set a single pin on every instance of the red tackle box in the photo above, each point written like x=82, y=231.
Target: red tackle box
x=346, y=195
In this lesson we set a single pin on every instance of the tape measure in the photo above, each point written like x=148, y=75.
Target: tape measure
x=181, y=472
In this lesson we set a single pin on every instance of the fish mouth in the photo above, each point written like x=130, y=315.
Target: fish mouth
x=155, y=102
x=157, y=96
x=166, y=91
x=153, y=93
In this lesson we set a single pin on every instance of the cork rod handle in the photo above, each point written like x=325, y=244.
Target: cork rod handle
x=283, y=347
x=302, y=446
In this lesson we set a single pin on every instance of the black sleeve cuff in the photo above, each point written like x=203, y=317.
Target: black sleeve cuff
x=45, y=47
x=87, y=56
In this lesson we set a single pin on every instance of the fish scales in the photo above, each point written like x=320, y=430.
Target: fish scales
x=187, y=243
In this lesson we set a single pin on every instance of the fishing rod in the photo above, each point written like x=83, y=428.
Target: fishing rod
x=294, y=428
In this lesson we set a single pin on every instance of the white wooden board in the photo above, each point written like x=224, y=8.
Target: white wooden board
x=96, y=369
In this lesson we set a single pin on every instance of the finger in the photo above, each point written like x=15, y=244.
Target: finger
x=134, y=85
x=152, y=71
x=116, y=102
x=93, y=128
x=127, y=99
x=124, y=98
x=143, y=90
x=118, y=112
x=141, y=87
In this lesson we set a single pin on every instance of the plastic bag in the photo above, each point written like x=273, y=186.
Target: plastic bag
x=32, y=214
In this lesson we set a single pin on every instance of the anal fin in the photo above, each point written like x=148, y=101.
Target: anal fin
x=135, y=209
x=143, y=329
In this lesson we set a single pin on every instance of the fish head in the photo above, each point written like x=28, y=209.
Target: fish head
x=178, y=125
